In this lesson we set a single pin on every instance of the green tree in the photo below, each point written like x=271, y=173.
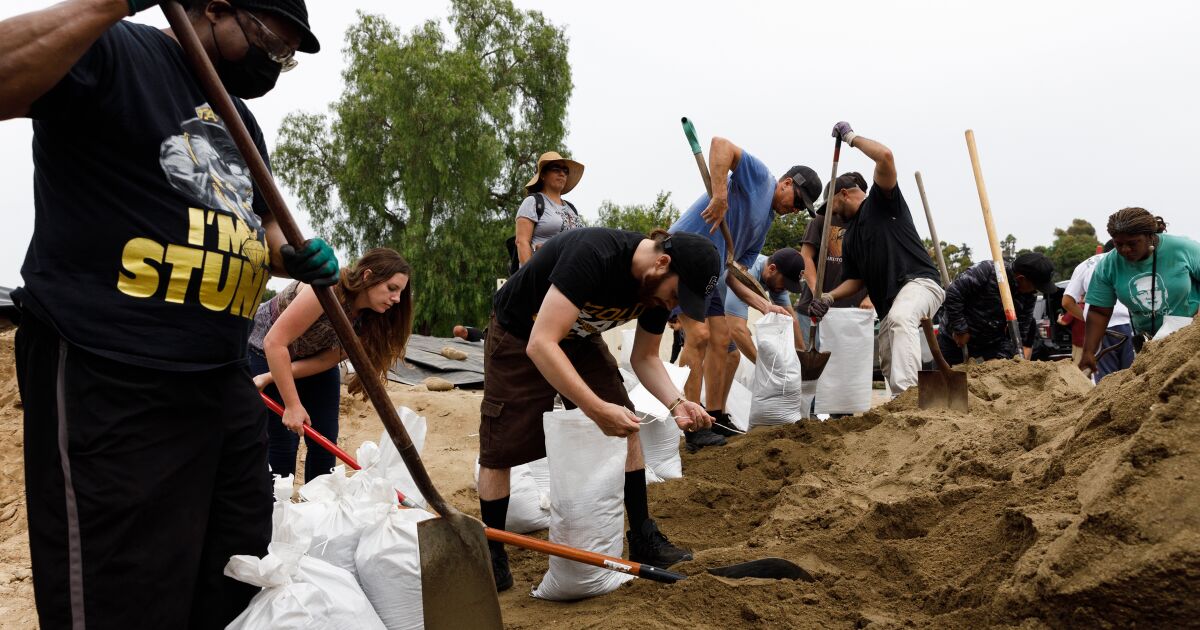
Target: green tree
x=1008, y=247
x=429, y=146
x=1071, y=246
x=786, y=231
x=640, y=218
x=958, y=257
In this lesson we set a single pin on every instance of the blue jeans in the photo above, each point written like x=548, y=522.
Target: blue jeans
x=1117, y=359
x=321, y=395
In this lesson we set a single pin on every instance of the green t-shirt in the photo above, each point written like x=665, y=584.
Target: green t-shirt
x=1176, y=291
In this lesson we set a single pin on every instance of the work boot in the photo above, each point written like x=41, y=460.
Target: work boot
x=697, y=440
x=723, y=424
x=504, y=579
x=650, y=546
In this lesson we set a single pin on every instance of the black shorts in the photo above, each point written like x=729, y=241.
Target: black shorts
x=516, y=395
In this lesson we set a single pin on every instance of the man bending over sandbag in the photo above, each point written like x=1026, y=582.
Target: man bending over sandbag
x=882, y=251
x=544, y=337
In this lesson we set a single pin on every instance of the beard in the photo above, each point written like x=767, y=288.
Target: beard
x=648, y=287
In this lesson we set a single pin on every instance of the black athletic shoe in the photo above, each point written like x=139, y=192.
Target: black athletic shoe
x=697, y=440
x=650, y=546
x=504, y=579
x=723, y=425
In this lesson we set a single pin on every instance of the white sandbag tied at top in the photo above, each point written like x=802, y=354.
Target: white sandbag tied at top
x=528, y=501
x=777, y=397
x=848, y=334
x=389, y=568
x=587, y=493
x=357, y=502
x=658, y=434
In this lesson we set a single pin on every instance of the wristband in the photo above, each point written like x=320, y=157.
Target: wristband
x=849, y=137
x=678, y=401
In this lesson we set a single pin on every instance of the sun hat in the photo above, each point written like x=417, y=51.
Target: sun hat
x=575, y=171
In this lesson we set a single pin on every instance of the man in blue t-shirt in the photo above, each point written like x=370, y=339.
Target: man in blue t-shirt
x=747, y=197
x=883, y=253
x=145, y=438
x=780, y=274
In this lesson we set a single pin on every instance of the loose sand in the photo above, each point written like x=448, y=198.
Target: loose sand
x=1050, y=504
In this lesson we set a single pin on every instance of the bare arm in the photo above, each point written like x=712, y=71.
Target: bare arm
x=275, y=240
x=723, y=157
x=305, y=367
x=299, y=315
x=809, y=254
x=524, y=239
x=1071, y=306
x=1097, y=323
x=885, y=164
x=740, y=333
x=38, y=49
x=752, y=299
x=651, y=373
x=846, y=289
x=554, y=320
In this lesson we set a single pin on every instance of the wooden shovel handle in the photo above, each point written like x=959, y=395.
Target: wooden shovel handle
x=934, y=349
x=933, y=235
x=264, y=184
x=1010, y=312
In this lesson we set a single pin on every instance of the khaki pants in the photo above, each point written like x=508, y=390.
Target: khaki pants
x=900, y=332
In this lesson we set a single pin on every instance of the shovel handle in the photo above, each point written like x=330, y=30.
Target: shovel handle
x=1010, y=312
x=934, y=349
x=314, y=435
x=933, y=235
x=264, y=184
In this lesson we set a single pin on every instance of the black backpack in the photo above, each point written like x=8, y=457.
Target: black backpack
x=510, y=243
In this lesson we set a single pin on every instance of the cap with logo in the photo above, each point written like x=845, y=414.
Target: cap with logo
x=695, y=259
x=806, y=186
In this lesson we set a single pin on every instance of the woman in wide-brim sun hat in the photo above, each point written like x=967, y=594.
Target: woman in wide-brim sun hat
x=555, y=177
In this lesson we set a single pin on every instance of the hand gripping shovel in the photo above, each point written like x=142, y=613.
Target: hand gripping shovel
x=456, y=574
x=498, y=535
x=812, y=363
x=734, y=268
x=942, y=388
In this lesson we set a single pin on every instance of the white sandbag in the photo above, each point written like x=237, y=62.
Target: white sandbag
x=776, y=388
x=540, y=471
x=587, y=492
x=628, y=378
x=848, y=334
x=391, y=465
x=1171, y=324
x=299, y=592
x=660, y=437
x=808, y=393
x=283, y=487
x=388, y=559
x=528, y=503
x=336, y=533
x=626, y=347
x=737, y=404
x=745, y=372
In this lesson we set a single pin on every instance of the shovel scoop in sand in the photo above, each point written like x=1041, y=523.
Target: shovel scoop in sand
x=942, y=388
x=812, y=363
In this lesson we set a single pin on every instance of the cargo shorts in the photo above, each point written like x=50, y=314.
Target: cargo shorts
x=516, y=395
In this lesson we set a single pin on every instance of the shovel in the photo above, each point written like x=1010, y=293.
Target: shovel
x=1010, y=313
x=735, y=268
x=498, y=535
x=812, y=363
x=1123, y=340
x=456, y=572
x=942, y=388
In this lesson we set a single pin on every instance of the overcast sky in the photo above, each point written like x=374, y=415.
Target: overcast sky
x=1079, y=108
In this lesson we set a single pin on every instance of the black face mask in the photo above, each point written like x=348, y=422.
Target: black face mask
x=252, y=76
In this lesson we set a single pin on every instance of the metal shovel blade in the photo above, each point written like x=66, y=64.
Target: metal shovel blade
x=812, y=363
x=942, y=390
x=457, y=587
x=768, y=568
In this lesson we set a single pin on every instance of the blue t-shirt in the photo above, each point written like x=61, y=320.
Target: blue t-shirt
x=736, y=307
x=751, y=190
x=1176, y=290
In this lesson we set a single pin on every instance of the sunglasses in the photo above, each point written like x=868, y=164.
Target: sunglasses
x=799, y=197
x=562, y=168
x=277, y=50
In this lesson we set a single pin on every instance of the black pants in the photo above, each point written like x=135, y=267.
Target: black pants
x=140, y=485
x=321, y=395
x=954, y=354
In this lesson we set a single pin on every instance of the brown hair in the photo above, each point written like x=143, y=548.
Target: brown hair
x=1133, y=221
x=384, y=335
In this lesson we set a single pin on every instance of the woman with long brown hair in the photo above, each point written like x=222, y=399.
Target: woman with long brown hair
x=294, y=351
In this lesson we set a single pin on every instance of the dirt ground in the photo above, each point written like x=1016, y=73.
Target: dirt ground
x=1049, y=504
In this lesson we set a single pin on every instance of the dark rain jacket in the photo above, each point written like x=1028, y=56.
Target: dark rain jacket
x=973, y=305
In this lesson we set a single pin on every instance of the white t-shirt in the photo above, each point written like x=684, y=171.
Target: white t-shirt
x=1077, y=287
x=555, y=218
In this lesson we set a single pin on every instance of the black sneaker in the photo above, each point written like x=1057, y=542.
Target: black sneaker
x=723, y=424
x=650, y=546
x=504, y=579
x=697, y=440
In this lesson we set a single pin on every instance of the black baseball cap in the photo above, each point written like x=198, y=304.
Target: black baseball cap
x=1039, y=270
x=293, y=11
x=843, y=181
x=806, y=186
x=790, y=264
x=695, y=259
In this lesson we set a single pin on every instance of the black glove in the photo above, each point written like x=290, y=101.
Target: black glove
x=140, y=5
x=820, y=306
x=314, y=263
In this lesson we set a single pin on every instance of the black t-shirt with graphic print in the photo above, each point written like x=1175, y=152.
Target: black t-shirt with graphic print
x=148, y=247
x=592, y=267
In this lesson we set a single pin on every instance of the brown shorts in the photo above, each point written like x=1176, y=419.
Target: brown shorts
x=515, y=394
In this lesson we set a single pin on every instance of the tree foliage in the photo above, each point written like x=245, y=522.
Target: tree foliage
x=429, y=146
x=786, y=231
x=641, y=218
x=1071, y=246
x=958, y=257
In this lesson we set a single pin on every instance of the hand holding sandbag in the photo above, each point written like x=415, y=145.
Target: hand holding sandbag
x=614, y=420
x=690, y=416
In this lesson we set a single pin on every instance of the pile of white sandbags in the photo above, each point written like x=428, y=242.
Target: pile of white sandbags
x=528, y=497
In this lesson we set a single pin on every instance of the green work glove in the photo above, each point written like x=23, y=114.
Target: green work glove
x=314, y=263
x=140, y=5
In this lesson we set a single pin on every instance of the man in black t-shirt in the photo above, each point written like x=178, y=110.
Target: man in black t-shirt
x=145, y=438
x=882, y=252
x=544, y=338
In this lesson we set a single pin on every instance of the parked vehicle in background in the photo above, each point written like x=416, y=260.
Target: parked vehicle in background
x=1053, y=339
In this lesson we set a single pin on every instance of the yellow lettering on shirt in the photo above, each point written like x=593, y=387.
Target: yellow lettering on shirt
x=233, y=234
x=249, y=290
x=216, y=286
x=196, y=227
x=139, y=278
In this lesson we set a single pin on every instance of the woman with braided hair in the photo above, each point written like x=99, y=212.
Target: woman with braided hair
x=1155, y=275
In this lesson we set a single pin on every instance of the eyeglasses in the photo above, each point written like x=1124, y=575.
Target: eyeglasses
x=562, y=168
x=277, y=50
